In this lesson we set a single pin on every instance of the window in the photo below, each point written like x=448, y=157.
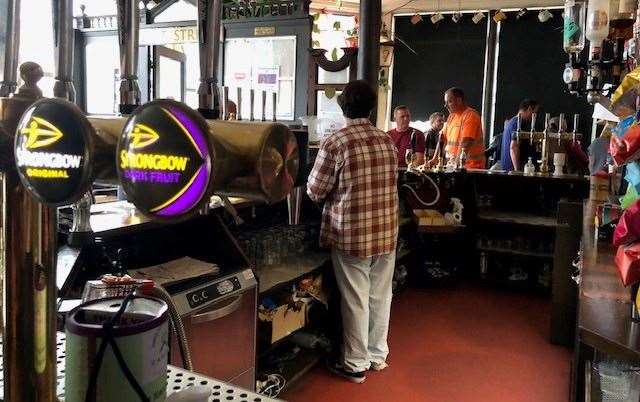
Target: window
x=330, y=32
x=267, y=64
x=530, y=65
x=448, y=54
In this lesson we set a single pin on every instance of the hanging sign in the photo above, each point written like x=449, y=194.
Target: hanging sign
x=52, y=149
x=164, y=159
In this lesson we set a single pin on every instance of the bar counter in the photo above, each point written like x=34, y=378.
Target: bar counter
x=604, y=303
x=604, y=313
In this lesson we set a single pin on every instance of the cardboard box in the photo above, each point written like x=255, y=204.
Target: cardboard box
x=282, y=322
x=428, y=217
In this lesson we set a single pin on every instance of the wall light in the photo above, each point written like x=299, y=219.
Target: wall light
x=478, y=17
x=437, y=17
x=544, y=15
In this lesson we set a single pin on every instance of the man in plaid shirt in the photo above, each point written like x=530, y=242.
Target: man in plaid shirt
x=355, y=174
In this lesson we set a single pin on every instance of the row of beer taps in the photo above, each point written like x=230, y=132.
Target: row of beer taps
x=545, y=135
x=238, y=116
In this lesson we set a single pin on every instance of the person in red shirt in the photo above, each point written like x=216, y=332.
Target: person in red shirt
x=407, y=138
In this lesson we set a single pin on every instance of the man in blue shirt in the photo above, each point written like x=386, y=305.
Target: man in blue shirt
x=512, y=157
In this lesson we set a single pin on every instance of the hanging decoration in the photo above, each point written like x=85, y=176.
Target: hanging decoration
x=416, y=18
x=521, y=13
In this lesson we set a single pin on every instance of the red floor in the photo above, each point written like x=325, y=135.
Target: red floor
x=458, y=345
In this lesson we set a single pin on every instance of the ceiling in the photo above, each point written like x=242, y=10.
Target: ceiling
x=402, y=6
x=102, y=7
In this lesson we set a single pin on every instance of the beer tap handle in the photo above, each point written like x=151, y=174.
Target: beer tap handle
x=518, y=127
x=576, y=119
x=225, y=104
x=239, y=105
x=560, y=128
x=274, y=105
x=547, y=119
x=251, y=104
x=533, y=126
x=264, y=106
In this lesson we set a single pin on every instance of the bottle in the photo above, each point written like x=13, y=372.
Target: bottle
x=529, y=168
x=574, y=23
x=597, y=24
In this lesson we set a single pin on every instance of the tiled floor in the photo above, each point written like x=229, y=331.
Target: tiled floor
x=466, y=344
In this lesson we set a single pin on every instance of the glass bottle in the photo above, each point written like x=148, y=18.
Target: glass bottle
x=597, y=24
x=574, y=23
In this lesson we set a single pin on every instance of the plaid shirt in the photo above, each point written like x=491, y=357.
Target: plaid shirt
x=355, y=172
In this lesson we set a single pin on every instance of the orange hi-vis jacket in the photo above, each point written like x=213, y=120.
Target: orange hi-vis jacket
x=462, y=126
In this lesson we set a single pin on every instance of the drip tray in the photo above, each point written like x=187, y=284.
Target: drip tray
x=177, y=379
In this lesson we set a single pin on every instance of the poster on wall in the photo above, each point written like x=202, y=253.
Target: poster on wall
x=266, y=79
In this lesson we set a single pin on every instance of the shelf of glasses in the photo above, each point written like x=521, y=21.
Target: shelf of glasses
x=291, y=268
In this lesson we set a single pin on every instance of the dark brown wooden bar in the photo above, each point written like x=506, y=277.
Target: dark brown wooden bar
x=604, y=311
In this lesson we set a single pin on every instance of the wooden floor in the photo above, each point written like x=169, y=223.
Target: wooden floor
x=467, y=344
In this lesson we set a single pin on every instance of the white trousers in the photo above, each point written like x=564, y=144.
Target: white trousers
x=365, y=288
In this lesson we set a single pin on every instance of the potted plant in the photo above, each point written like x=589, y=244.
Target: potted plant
x=352, y=37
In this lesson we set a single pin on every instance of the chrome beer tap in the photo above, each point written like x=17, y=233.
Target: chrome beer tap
x=264, y=106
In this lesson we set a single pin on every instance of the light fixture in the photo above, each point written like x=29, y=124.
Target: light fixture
x=417, y=18
x=456, y=17
x=478, y=17
x=544, y=15
x=499, y=16
x=437, y=17
x=521, y=13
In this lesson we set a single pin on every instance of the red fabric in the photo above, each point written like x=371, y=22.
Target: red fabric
x=628, y=262
x=402, y=141
x=627, y=147
x=628, y=227
x=355, y=172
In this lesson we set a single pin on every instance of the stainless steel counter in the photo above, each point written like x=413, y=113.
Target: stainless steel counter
x=120, y=217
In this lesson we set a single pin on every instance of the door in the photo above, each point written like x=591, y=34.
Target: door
x=169, y=74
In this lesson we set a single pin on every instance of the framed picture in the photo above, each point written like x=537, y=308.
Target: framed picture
x=386, y=56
